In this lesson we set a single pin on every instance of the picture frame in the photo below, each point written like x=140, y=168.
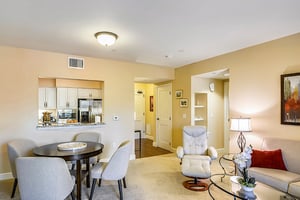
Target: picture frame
x=151, y=104
x=178, y=94
x=290, y=100
x=183, y=103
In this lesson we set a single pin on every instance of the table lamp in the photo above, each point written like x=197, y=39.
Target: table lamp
x=241, y=125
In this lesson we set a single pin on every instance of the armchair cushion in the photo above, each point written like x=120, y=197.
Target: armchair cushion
x=196, y=166
x=195, y=140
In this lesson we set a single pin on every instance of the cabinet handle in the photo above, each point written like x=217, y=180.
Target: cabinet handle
x=45, y=104
x=67, y=104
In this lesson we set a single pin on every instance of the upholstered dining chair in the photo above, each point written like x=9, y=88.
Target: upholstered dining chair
x=17, y=148
x=196, y=157
x=114, y=169
x=44, y=178
x=88, y=137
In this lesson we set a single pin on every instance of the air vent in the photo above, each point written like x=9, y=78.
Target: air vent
x=76, y=63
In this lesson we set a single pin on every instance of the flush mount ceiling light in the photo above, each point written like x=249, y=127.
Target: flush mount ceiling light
x=106, y=38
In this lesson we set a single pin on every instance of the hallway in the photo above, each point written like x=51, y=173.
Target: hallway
x=148, y=149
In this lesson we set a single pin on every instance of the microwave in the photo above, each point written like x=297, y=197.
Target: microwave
x=63, y=115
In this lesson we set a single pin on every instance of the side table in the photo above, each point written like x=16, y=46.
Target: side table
x=227, y=157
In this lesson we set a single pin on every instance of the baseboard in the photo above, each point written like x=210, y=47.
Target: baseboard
x=154, y=144
x=150, y=137
x=132, y=157
x=5, y=176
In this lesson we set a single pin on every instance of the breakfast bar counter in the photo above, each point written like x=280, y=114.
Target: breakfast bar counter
x=69, y=125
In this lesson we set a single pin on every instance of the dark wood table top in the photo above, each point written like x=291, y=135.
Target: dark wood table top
x=51, y=150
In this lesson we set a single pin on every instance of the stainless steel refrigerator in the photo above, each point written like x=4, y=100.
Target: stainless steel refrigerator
x=88, y=109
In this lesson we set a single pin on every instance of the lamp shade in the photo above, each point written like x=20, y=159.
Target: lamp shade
x=241, y=124
x=106, y=38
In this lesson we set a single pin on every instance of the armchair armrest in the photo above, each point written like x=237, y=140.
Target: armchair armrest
x=212, y=153
x=180, y=152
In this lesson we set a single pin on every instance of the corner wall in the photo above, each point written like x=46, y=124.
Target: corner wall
x=254, y=87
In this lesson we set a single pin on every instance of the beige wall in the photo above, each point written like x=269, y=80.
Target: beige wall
x=254, y=87
x=21, y=69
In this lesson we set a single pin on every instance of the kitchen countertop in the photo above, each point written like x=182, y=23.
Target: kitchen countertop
x=69, y=125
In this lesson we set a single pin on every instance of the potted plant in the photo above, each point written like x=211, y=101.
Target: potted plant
x=241, y=160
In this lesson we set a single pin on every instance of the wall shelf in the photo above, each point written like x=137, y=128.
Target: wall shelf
x=199, y=114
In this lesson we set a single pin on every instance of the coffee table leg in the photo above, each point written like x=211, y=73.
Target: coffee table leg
x=209, y=191
x=78, y=178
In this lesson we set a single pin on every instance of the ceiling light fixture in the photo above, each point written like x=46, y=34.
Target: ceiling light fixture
x=106, y=38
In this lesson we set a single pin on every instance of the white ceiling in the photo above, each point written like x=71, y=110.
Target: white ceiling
x=168, y=33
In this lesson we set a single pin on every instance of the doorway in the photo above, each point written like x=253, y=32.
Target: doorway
x=151, y=99
x=139, y=111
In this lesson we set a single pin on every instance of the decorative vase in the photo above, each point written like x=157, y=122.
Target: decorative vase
x=246, y=188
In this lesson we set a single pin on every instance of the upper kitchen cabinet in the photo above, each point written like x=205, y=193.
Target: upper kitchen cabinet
x=47, y=98
x=89, y=93
x=67, y=98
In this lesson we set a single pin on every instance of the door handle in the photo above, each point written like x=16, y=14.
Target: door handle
x=157, y=118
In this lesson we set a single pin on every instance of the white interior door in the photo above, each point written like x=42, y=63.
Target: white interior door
x=164, y=117
x=139, y=111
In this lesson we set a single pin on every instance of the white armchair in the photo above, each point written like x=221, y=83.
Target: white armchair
x=195, y=157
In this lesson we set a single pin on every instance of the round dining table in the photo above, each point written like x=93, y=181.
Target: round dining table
x=89, y=150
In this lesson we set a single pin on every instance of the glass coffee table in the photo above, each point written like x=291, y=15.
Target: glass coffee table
x=231, y=189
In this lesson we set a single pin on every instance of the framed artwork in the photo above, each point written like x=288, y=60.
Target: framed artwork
x=178, y=94
x=183, y=103
x=290, y=99
x=151, y=103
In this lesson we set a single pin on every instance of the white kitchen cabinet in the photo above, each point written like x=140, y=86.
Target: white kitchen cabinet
x=47, y=98
x=67, y=98
x=89, y=93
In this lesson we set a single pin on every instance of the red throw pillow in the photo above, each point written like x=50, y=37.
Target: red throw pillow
x=267, y=159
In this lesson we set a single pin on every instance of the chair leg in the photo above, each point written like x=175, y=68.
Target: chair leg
x=124, y=183
x=72, y=195
x=14, y=188
x=99, y=184
x=93, y=188
x=120, y=189
x=73, y=166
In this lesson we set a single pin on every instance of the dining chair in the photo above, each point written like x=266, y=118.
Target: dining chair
x=88, y=137
x=114, y=169
x=18, y=148
x=44, y=178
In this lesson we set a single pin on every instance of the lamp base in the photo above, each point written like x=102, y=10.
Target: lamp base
x=241, y=141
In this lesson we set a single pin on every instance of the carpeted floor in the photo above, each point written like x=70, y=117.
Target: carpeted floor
x=151, y=178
